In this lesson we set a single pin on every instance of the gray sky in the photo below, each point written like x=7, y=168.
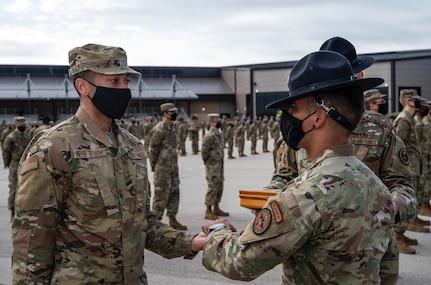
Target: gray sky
x=207, y=32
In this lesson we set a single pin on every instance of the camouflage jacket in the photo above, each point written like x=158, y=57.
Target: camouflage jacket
x=83, y=209
x=378, y=146
x=13, y=147
x=213, y=147
x=381, y=149
x=405, y=126
x=182, y=131
x=163, y=147
x=323, y=228
x=240, y=133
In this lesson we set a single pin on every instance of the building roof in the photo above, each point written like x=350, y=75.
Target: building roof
x=54, y=87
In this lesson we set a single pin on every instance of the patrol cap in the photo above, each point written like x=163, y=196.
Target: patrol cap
x=19, y=120
x=372, y=94
x=409, y=93
x=100, y=59
x=168, y=107
x=213, y=117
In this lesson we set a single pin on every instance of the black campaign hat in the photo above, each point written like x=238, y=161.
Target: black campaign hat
x=319, y=72
x=344, y=47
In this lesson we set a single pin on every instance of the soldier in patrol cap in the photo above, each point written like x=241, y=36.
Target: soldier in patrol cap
x=164, y=162
x=298, y=227
x=375, y=101
x=13, y=147
x=82, y=208
x=212, y=155
x=404, y=124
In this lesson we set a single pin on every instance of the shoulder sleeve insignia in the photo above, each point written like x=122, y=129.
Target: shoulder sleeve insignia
x=262, y=221
x=404, y=156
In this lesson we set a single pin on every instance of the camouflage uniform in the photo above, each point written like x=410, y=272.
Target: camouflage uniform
x=212, y=155
x=427, y=167
x=264, y=133
x=13, y=147
x=384, y=152
x=83, y=209
x=275, y=131
x=194, y=134
x=298, y=228
x=134, y=128
x=146, y=129
x=252, y=136
x=164, y=163
x=407, y=129
x=240, y=139
x=5, y=133
x=182, y=137
x=230, y=133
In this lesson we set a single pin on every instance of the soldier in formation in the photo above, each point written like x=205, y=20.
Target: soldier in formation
x=212, y=155
x=13, y=147
x=164, y=163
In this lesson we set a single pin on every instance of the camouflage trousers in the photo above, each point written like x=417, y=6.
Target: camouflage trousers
x=195, y=142
x=253, y=144
x=215, y=179
x=230, y=147
x=390, y=263
x=240, y=143
x=166, y=191
x=182, y=146
x=264, y=144
x=13, y=182
x=426, y=192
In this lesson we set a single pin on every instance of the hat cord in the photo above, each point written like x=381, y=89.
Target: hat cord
x=333, y=113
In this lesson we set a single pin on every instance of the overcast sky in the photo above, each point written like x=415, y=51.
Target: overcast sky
x=210, y=33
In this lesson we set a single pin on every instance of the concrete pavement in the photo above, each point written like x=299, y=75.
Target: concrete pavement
x=250, y=172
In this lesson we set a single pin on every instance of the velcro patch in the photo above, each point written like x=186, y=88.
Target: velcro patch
x=275, y=207
x=262, y=221
x=290, y=199
x=83, y=153
x=29, y=164
x=404, y=156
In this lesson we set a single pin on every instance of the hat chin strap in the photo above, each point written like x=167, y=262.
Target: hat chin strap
x=332, y=113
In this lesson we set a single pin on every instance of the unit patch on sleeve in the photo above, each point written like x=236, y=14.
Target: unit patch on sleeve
x=262, y=221
x=404, y=156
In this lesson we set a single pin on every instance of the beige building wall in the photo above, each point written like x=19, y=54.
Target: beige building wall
x=272, y=80
x=239, y=81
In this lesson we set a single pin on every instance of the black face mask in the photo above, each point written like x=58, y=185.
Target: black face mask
x=417, y=104
x=173, y=116
x=291, y=129
x=383, y=108
x=111, y=102
x=218, y=125
x=21, y=128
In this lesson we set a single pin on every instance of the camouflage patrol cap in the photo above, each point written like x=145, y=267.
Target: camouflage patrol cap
x=409, y=93
x=213, y=117
x=19, y=120
x=100, y=59
x=372, y=94
x=168, y=107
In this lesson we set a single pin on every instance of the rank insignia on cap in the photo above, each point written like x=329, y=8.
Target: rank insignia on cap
x=262, y=221
x=404, y=156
